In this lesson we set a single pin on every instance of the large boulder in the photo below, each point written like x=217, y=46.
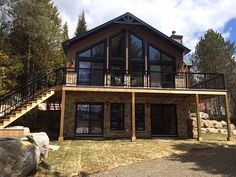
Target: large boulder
x=232, y=126
x=195, y=122
x=203, y=115
x=18, y=158
x=222, y=131
x=217, y=125
x=203, y=130
x=223, y=123
x=233, y=132
x=208, y=124
x=42, y=141
x=211, y=130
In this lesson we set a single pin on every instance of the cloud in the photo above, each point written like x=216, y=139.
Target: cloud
x=190, y=18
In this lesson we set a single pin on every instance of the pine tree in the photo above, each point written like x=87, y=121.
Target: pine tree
x=65, y=31
x=81, y=26
x=214, y=54
x=36, y=37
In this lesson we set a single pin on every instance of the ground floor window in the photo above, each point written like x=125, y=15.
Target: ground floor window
x=117, y=116
x=139, y=117
x=89, y=118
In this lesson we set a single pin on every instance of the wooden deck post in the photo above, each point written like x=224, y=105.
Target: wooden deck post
x=61, y=135
x=199, y=138
x=133, y=138
x=227, y=115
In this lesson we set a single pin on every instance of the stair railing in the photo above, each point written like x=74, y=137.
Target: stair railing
x=21, y=95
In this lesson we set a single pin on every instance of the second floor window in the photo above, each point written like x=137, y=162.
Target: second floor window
x=90, y=66
x=136, y=60
x=117, y=59
x=161, y=68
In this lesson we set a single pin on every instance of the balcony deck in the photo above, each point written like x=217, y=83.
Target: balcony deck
x=178, y=83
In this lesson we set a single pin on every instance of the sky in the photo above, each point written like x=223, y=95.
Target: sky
x=190, y=18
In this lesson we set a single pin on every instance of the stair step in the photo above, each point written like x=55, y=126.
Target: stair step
x=25, y=108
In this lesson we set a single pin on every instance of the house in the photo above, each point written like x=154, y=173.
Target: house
x=126, y=79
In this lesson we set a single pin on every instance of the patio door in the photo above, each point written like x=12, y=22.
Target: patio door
x=163, y=117
x=89, y=119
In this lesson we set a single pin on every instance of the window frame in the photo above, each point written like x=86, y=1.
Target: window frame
x=118, y=60
x=91, y=60
x=122, y=120
x=143, y=121
x=102, y=119
x=135, y=61
x=161, y=64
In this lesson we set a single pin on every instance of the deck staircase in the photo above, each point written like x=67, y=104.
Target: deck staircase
x=21, y=100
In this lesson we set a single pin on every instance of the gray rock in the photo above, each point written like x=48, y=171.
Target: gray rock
x=203, y=130
x=17, y=158
x=217, y=125
x=233, y=132
x=195, y=122
x=223, y=123
x=42, y=141
x=222, y=131
x=211, y=130
x=208, y=124
x=232, y=126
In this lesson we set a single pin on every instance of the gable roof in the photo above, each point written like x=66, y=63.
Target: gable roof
x=127, y=18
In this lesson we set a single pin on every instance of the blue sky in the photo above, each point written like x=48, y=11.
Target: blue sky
x=231, y=27
x=190, y=18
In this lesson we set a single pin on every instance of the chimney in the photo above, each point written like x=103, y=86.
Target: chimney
x=177, y=38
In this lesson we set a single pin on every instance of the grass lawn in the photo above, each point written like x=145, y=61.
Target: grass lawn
x=83, y=157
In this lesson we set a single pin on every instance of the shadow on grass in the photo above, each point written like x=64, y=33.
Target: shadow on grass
x=210, y=157
x=45, y=170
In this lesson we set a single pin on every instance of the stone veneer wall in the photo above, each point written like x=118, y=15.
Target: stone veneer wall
x=74, y=97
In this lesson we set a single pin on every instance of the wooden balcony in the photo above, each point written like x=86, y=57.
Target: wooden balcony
x=150, y=80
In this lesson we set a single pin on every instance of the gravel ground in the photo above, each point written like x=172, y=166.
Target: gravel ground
x=199, y=162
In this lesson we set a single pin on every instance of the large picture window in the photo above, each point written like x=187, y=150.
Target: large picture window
x=90, y=66
x=117, y=116
x=89, y=118
x=161, y=68
x=136, y=60
x=117, y=59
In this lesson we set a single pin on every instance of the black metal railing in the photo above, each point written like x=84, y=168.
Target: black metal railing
x=21, y=95
x=156, y=79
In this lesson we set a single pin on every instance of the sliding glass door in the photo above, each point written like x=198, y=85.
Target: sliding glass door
x=164, y=120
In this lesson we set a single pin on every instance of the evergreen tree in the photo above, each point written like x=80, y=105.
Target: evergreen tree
x=214, y=54
x=36, y=37
x=81, y=26
x=65, y=31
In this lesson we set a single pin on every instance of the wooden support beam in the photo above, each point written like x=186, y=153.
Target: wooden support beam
x=133, y=138
x=227, y=115
x=199, y=138
x=61, y=135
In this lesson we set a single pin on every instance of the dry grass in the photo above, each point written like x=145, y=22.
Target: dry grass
x=82, y=157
